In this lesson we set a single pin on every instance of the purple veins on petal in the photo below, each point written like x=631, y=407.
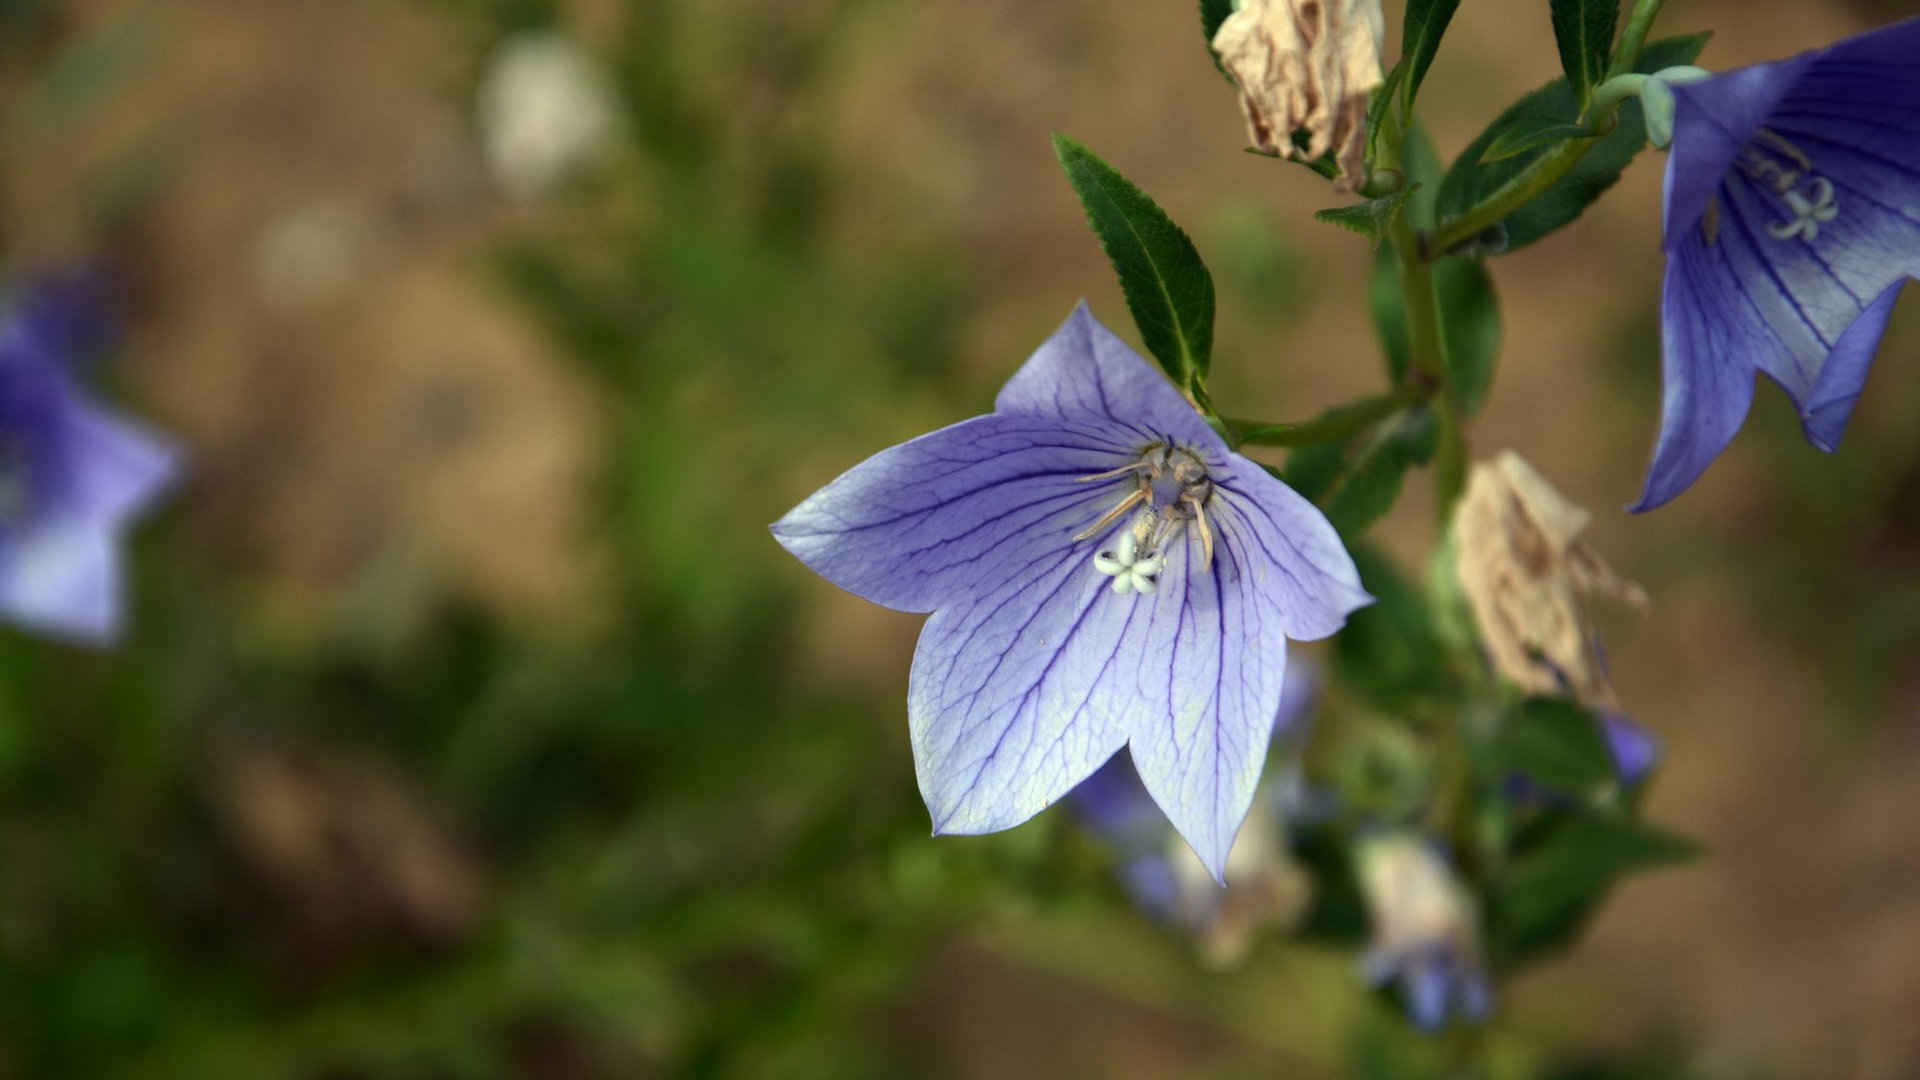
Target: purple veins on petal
x=1792, y=206
x=1102, y=571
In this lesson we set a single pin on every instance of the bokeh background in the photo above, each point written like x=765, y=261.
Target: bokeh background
x=469, y=723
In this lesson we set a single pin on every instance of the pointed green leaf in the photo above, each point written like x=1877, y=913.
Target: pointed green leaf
x=1469, y=330
x=1372, y=481
x=1553, y=742
x=1472, y=179
x=1369, y=218
x=1584, y=31
x=1540, y=900
x=1168, y=288
x=1420, y=37
x=1389, y=651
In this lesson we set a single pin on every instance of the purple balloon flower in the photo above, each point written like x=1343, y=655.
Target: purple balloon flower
x=71, y=476
x=1102, y=572
x=1792, y=218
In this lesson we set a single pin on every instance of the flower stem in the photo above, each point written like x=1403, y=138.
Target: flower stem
x=1336, y=423
x=1634, y=37
x=1547, y=169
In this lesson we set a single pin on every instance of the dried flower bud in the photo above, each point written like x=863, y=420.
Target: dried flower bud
x=1306, y=64
x=1522, y=567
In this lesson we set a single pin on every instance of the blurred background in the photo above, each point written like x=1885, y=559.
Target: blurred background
x=470, y=724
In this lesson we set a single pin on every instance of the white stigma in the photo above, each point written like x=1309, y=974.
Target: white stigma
x=1130, y=570
x=1809, y=214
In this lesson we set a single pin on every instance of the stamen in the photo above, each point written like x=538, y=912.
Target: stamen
x=1200, y=526
x=1140, y=494
x=1138, y=466
x=1787, y=148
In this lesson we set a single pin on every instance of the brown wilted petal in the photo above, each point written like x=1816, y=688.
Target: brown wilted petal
x=1306, y=65
x=1523, y=569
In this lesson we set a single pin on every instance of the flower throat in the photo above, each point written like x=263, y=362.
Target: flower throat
x=1171, y=489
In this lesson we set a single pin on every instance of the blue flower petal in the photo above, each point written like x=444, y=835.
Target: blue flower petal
x=1085, y=372
x=1792, y=217
x=933, y=520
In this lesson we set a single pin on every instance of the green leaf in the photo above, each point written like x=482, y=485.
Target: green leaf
x=1313, y=470
x=1168, y=288
x=1372, y=481
x=1212, y=14
x=1543, y=896
x=1369, y=218
x=1519, y=139
x=1420, y=37
x=1554, y=742
x=1469, y=330
x=1389, y=652
x=1471, y=179
x=1584, y=31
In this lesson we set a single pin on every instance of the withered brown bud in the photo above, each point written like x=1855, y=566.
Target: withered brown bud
x=1306, y=65
x=1523, y=569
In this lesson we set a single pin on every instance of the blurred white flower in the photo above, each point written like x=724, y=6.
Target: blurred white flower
x=545, y=108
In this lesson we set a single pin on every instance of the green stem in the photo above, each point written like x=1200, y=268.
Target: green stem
x=1547, y=169
x=1429, y=362
x=1634, y=37
x=1336, y=423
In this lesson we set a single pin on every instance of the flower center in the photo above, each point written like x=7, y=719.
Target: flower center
x=1777, y=165
x=1171, y=489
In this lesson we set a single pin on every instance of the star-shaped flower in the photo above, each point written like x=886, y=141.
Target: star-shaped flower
x=1102, y=572
x=71, y=476
x=1792, y=218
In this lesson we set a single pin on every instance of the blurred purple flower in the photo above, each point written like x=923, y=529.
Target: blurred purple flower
x=1115, y=806
x=1635, y=750
x=1102, y=572
x=1425, y=932
x=71, y=476
x=1792, y=218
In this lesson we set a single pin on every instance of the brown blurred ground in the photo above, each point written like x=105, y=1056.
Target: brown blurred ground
x=308, y=315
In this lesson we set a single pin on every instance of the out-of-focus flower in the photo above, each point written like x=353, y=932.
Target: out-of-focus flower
x=1103, y=572
x=1792, y=218
x=1426, y=934
x=545, y=108
x=1635, y=750
x=71, y=476
x=1306, y=65
x=1523, y=567
x=1264, y=886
